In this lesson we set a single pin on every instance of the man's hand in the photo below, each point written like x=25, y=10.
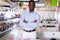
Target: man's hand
x=25, y=21
x=35, y=21
x=17, y=15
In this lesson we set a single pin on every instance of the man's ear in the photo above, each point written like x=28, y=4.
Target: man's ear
x=34, y=6
x=28, y=5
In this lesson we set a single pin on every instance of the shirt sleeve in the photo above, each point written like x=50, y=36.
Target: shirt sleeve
x=21, y=20
x=38, y=20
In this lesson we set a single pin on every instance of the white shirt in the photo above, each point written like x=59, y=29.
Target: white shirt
x=30, y=17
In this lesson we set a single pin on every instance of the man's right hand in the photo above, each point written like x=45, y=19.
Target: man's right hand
x=25, y=21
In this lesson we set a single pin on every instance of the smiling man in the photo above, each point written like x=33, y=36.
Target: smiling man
x=29, y=21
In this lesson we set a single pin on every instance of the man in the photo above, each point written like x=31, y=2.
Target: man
x=29, y=21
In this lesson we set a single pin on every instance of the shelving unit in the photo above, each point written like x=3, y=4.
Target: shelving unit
x=9, y=28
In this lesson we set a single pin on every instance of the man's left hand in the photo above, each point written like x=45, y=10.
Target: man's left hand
x=35, y=21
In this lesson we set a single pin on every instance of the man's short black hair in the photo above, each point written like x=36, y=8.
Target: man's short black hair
x=32, y=1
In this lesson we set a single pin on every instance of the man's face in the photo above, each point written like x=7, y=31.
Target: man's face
x=31, y=6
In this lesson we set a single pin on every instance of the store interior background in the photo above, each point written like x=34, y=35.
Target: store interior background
x=49, y=18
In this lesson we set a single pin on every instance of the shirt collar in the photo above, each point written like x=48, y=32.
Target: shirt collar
x=31, y=12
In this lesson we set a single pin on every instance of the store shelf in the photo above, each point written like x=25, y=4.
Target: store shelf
x=15, y=20
x=7, y=31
